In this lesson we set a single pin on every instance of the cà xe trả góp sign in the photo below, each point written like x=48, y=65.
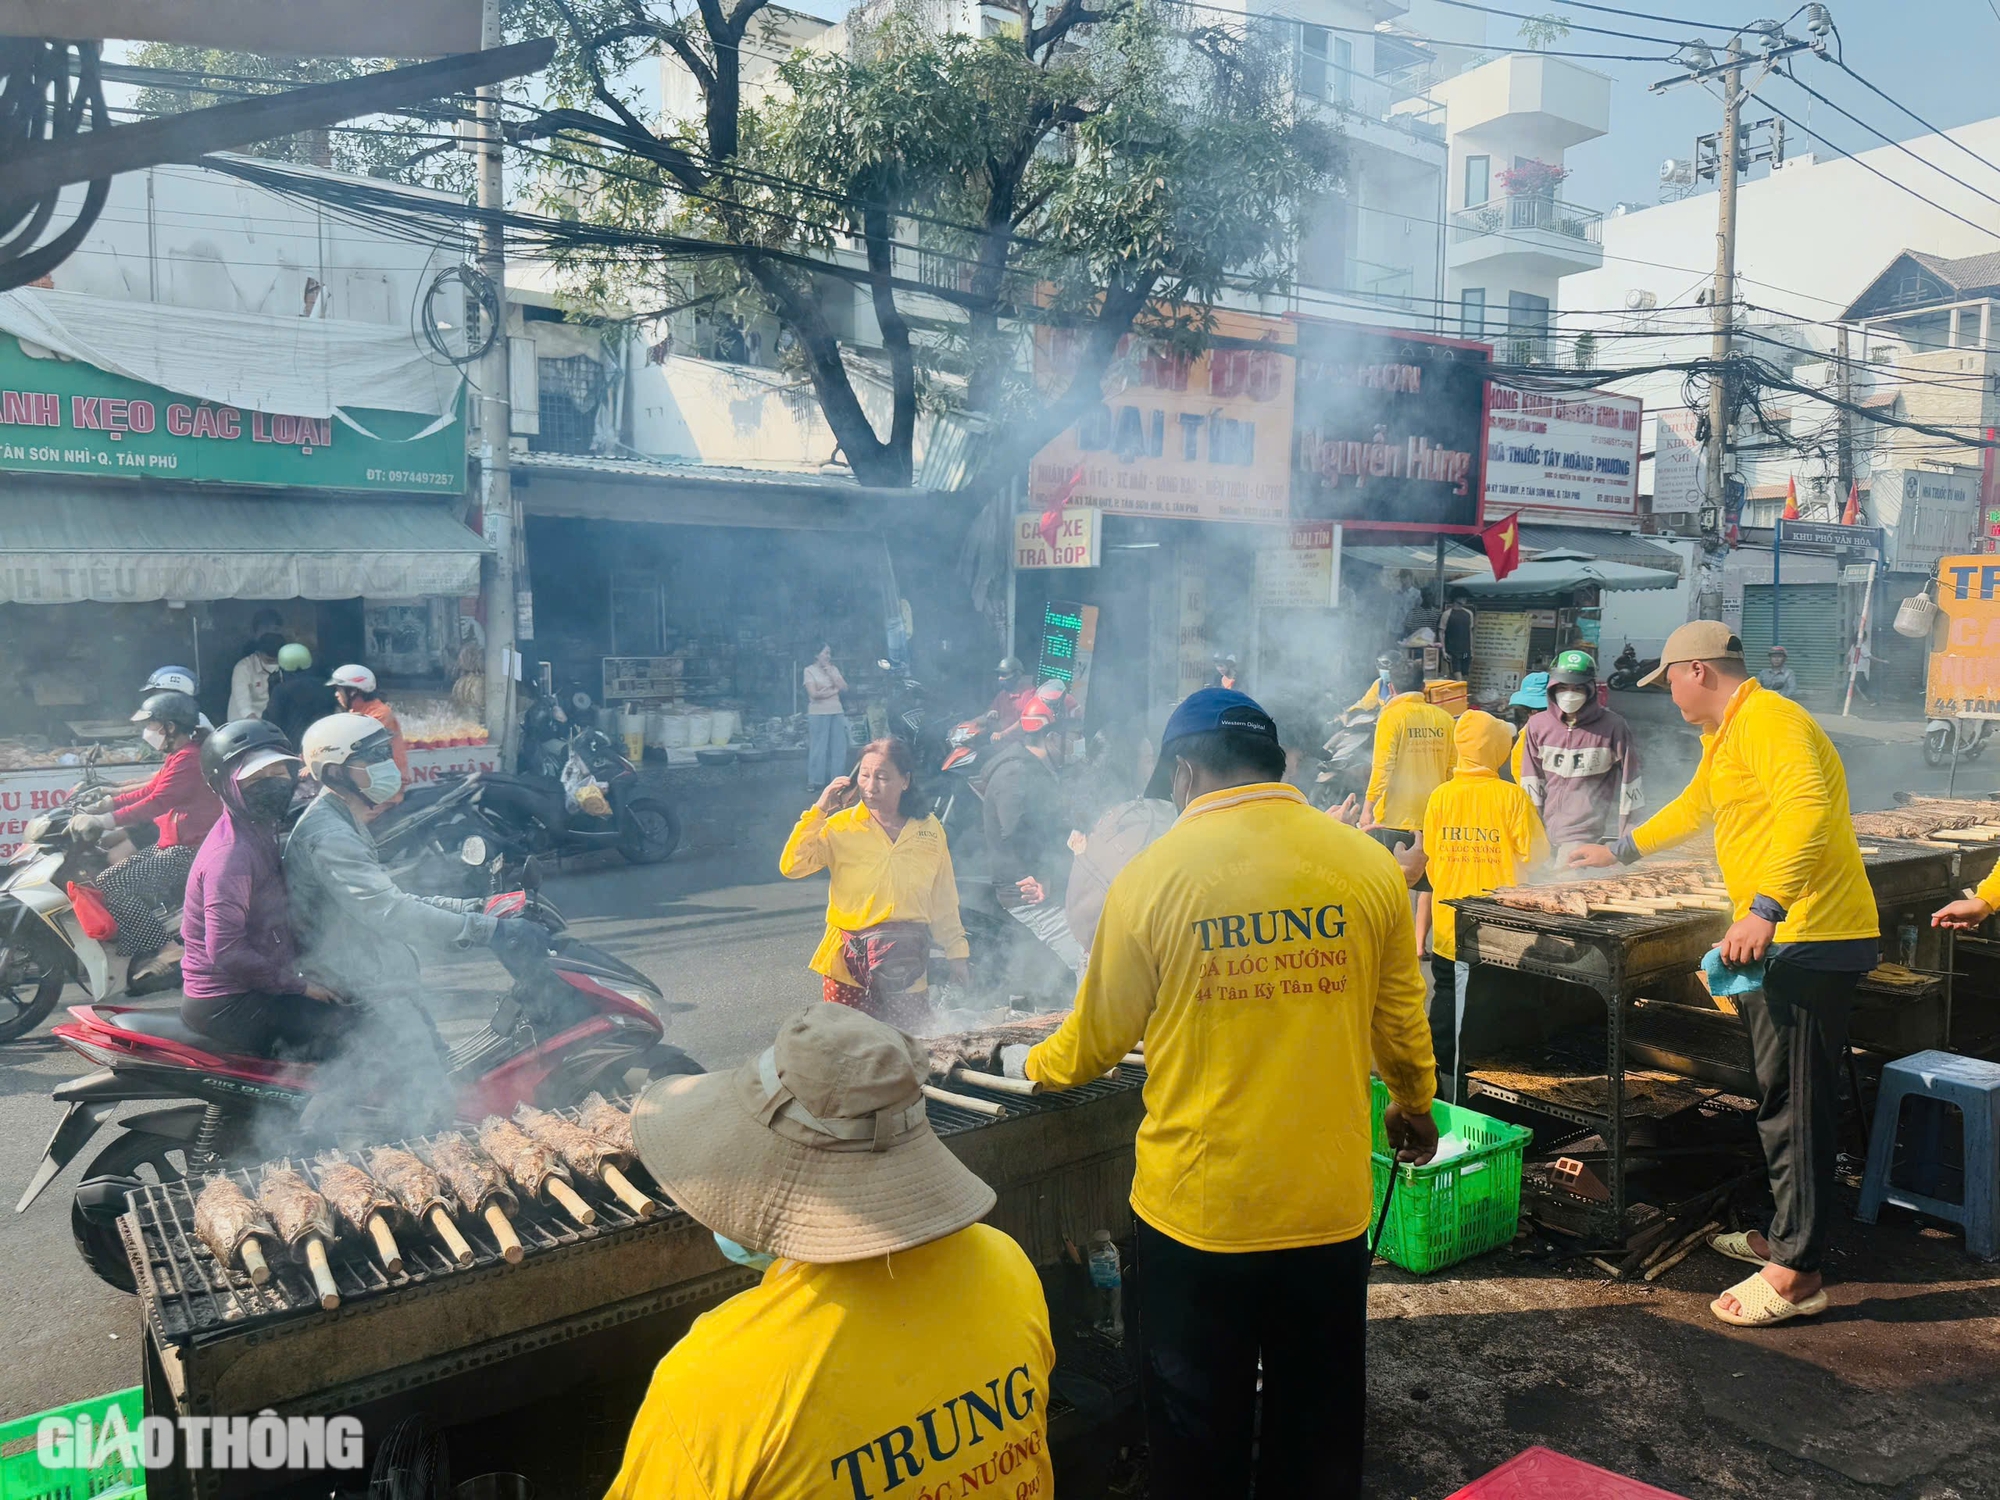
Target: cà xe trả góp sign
x=66, y=417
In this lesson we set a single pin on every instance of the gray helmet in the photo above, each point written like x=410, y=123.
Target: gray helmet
x=177, y=709
x=1010, y=666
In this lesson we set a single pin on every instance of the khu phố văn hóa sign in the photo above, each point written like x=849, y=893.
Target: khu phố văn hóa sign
x=66, y=417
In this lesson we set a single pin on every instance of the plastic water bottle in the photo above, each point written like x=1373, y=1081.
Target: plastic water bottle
x=1107, y=1285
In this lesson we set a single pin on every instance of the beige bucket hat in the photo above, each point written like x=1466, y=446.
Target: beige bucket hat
x=817, y=1150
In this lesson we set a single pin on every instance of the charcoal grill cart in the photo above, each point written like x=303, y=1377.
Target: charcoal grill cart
x=1685, y=1056
x=493, y=1349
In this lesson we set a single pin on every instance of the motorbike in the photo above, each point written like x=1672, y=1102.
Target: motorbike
x=574, y=1019
x=1947, y=740
x=473, y=835
x=1346, y=758
x=1629, y=667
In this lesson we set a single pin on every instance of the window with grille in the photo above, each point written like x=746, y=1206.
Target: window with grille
x=571, y=390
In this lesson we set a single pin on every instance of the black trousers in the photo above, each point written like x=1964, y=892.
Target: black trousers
x=1444, y=1014
x=266, y=1025
x=1207, y=1319
x=1798, y=1031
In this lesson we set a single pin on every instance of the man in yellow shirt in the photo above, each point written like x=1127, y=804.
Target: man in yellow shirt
x=894, y=1342
x=1480, y=833
x=1772, y=787
x=1413, y=756
x=1264, y=953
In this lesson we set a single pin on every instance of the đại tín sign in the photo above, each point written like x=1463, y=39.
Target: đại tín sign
x=66, y=417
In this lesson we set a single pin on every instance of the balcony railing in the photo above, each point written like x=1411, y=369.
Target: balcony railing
x=1529, y=211
x=1392, y=286
x=1366, y=97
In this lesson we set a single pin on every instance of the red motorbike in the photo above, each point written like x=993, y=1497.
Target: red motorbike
x=574, y=1019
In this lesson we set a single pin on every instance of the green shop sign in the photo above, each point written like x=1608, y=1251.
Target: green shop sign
x=66, y=417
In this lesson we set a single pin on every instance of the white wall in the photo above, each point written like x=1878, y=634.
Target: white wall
x=1645, y=618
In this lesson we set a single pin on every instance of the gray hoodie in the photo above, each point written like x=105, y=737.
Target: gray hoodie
x=1584, y=777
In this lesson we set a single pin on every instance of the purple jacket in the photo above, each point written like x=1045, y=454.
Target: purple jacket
x=1584, y=777
x=234, y=923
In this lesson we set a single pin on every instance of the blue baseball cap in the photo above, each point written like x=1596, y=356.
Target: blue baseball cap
x=1203, y=712
x=1533, y=692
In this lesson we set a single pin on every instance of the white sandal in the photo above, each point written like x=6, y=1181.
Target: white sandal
x=1762, y=1305
x=1736, y=1247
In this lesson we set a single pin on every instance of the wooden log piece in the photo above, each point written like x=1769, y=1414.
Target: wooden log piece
x=454, y=1242
x=385, y=1244
x=571, y=1204
x=322, y=1274
x=503, y=1233
x=627, y=1194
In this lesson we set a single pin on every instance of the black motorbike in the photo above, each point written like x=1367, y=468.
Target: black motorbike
x=473, y=834
x=1629, y=667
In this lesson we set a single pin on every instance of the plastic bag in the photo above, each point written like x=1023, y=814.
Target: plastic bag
x=582, y=792
x=92, y=915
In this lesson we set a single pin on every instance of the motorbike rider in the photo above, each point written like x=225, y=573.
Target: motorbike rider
x=355, y=690
x=299, y=697
x=171, y=679
x=1016, y=688
x=240, y=974
x=358, y=931
x=141, y=890
x=1380, y=691
x=1027, y=831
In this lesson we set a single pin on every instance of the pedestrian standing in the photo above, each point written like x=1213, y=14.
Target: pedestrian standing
x=1580, y=760
x=1779, y=677
x=1772, y=788
x=1455, y=630
x=1413, y=756
x=1253, y=1178
x=250, y=678
x=893, y=892
x=826, y=724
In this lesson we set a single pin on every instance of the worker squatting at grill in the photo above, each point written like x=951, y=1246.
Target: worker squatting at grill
x=1772, y=788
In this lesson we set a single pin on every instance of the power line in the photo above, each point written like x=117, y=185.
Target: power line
x=1890, y=140
x=1514, y=15
x=1883, y=94
x=1642, y=15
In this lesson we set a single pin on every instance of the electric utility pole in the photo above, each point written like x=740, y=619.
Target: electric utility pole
x=500, y=518
x=1705, y=600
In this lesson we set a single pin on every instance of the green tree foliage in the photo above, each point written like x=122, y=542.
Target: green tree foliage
x=1087, y=175
x=1543, y=32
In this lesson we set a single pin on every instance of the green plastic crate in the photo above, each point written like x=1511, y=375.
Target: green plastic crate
x=1450, y=1211
x=23, y=1476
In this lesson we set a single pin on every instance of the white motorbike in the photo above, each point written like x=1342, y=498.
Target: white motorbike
x=1947, y=740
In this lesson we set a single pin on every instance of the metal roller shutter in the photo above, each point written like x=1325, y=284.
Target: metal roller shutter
x=1813, y=633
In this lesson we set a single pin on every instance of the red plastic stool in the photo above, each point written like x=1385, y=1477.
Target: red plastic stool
x=1542, y=1474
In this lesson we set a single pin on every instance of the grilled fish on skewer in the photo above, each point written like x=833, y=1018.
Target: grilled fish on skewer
x=421, y=1193
x=480, y=1188
x=534, y=1168
x=587, y=1153
x=304, y=1222
x=233, y=1226
x=601, y=1117
x=363, y=1204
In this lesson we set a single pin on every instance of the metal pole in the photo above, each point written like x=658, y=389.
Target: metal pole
x=1722, y=308
x=1440, y=596
x=1860, y=643
x=500, y=515
x=1843, y=377
x=1777, y=581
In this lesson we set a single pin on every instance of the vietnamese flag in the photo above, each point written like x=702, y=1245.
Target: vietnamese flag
x=1503, y=545
x=1851, y=516
x=1051, y=526
x=1791, y=500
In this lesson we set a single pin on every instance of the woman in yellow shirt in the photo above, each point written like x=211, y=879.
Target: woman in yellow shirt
x=893, y=892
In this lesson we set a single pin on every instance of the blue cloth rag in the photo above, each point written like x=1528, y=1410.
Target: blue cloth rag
x=1723, y=980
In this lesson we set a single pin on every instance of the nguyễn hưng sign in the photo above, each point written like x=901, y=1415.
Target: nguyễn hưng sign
x=66, y=417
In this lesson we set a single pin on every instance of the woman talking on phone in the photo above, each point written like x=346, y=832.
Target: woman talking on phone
x=893, y=892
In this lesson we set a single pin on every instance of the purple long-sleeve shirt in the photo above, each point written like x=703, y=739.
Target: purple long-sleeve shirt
x=234, y=923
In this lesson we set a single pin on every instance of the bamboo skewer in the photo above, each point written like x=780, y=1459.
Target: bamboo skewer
x=627, y=1194
x=453, y=1240
x=322, y=1274
x=254, y=1262
x=503, y=1233
x=1135, y=1059
x=572, y=1205
x=385, y=1244
x=999, y=1083
x=965, y=1101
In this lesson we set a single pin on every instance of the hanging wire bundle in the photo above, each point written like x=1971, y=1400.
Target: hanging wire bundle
x=49, y=92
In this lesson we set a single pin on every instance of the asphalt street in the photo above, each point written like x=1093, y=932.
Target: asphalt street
x=715, y=926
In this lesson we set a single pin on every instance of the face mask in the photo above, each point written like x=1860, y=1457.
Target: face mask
x=266, y=800
x=755, y=1260
x=154, y=735
x=1570, y=701
x=1385, y=682
x=383, y=781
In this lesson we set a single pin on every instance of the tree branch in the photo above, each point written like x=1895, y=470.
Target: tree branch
x=587, y=46
x=878, y=236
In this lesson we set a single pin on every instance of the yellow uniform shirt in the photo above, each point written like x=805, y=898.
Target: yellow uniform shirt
x=1264, y=952
x=1988, y=889
x=1772, y=785
x=925, y=1372
x=1520, y=748
x=875, y=881
x=1370, y=699
x=1480, y=832
x=1413, y=756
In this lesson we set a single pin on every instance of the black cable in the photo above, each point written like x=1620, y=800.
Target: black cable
x=1641, y=15
x=42, y=104
x=483, y=311
x=1890, y=140
x=1515, y=15
x=1893, y=100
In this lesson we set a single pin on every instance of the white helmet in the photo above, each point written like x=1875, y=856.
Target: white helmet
x=340, y=738
x=352, y=676
x=170, y=680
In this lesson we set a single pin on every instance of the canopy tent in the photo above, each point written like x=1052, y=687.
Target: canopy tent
x=1560, y=575
x=72, y=544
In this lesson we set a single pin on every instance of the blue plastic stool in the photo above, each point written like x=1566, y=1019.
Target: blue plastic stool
x=1943, y=1078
